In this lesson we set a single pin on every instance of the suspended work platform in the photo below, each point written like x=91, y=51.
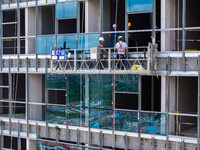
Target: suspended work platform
x=137, y=60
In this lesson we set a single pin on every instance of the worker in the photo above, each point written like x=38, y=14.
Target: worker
x=121, y=48
x=113, y=36
x=100, y=47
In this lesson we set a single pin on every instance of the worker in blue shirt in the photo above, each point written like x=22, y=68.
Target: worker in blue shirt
x=113, y=36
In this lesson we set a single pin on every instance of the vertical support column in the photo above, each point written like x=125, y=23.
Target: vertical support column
x=78, y=30
x=183, y=35
x=1, y=31
x=168, y=101
x=56, y=26
x=46, y=96
x=10, y=97
x=113, y=113
x=18, y=136
x=27, y=97
x=2, y=138
x=139, y=111
x=198, y=100
x=18, y=35
x=153, y=35
x=101, y=17
x=126, y=24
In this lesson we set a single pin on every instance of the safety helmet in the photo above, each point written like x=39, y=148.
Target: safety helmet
x=114, y=26
x=101, y=39
x=120, y=38
x=129, y=24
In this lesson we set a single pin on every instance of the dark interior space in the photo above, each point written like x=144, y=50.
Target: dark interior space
x=10, y=30
x=8, y=144
x=187, y=95
x=5, y=83
x=120, y=14
x=22, y=22
x=9, y=16
x=19, y=87
x=147, y=102
x=67, y=26
x=57, y=97
x=48, y=20
x=126, y=101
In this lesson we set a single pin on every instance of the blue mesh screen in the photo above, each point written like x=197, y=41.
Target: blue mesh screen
x=87, y=41
x=44, y=44
x=69, y=39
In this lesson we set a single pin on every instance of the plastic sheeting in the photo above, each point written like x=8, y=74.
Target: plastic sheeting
x=135, y=6
x=66, y=10
x=44, y=44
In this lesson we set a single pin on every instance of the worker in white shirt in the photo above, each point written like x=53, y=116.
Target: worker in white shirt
x=121, y=48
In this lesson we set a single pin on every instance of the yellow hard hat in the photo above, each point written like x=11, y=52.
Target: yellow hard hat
x=129, y=24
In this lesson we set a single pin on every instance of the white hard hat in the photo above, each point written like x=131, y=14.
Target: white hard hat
x=114, y=26
x=120, y=38
x=101, y=39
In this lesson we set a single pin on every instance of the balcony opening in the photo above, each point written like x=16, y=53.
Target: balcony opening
x=151, y=98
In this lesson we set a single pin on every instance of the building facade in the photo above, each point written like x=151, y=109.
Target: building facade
x=57, y=92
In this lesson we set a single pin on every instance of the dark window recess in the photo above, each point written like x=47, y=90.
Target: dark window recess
x=10, y=46
x=48, y=20
x=22, y=22
x=67, y=26
x=148, y=103
x=7, y=142
x=126, y=101
x=9, y=16
x=57, y=97
x=10, y=30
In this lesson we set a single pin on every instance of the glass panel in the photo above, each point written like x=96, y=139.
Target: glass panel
x=44, y=44
x=46, y=145
x=87, y=41
x=101, y=118
x=66, y=10
x=77, y=116
x=126, y=83
x=69, y=39
x=55, y=81
x=153, y=123
x=138, y=5
x=75, y=87
x=56, y=114
x=126, y=121
x=100, y=88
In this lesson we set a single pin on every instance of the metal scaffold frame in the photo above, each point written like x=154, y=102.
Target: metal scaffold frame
x=7, y=63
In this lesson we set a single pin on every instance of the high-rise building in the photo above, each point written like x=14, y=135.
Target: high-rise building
x=59, y=89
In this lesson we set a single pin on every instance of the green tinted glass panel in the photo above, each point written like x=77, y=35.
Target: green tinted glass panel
x=77, y=116
x=101, y=118
x=100, y=91
x=55, y=81
x=126, y=83
x=153, y=123
x=56, y=114
x=126, y=121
